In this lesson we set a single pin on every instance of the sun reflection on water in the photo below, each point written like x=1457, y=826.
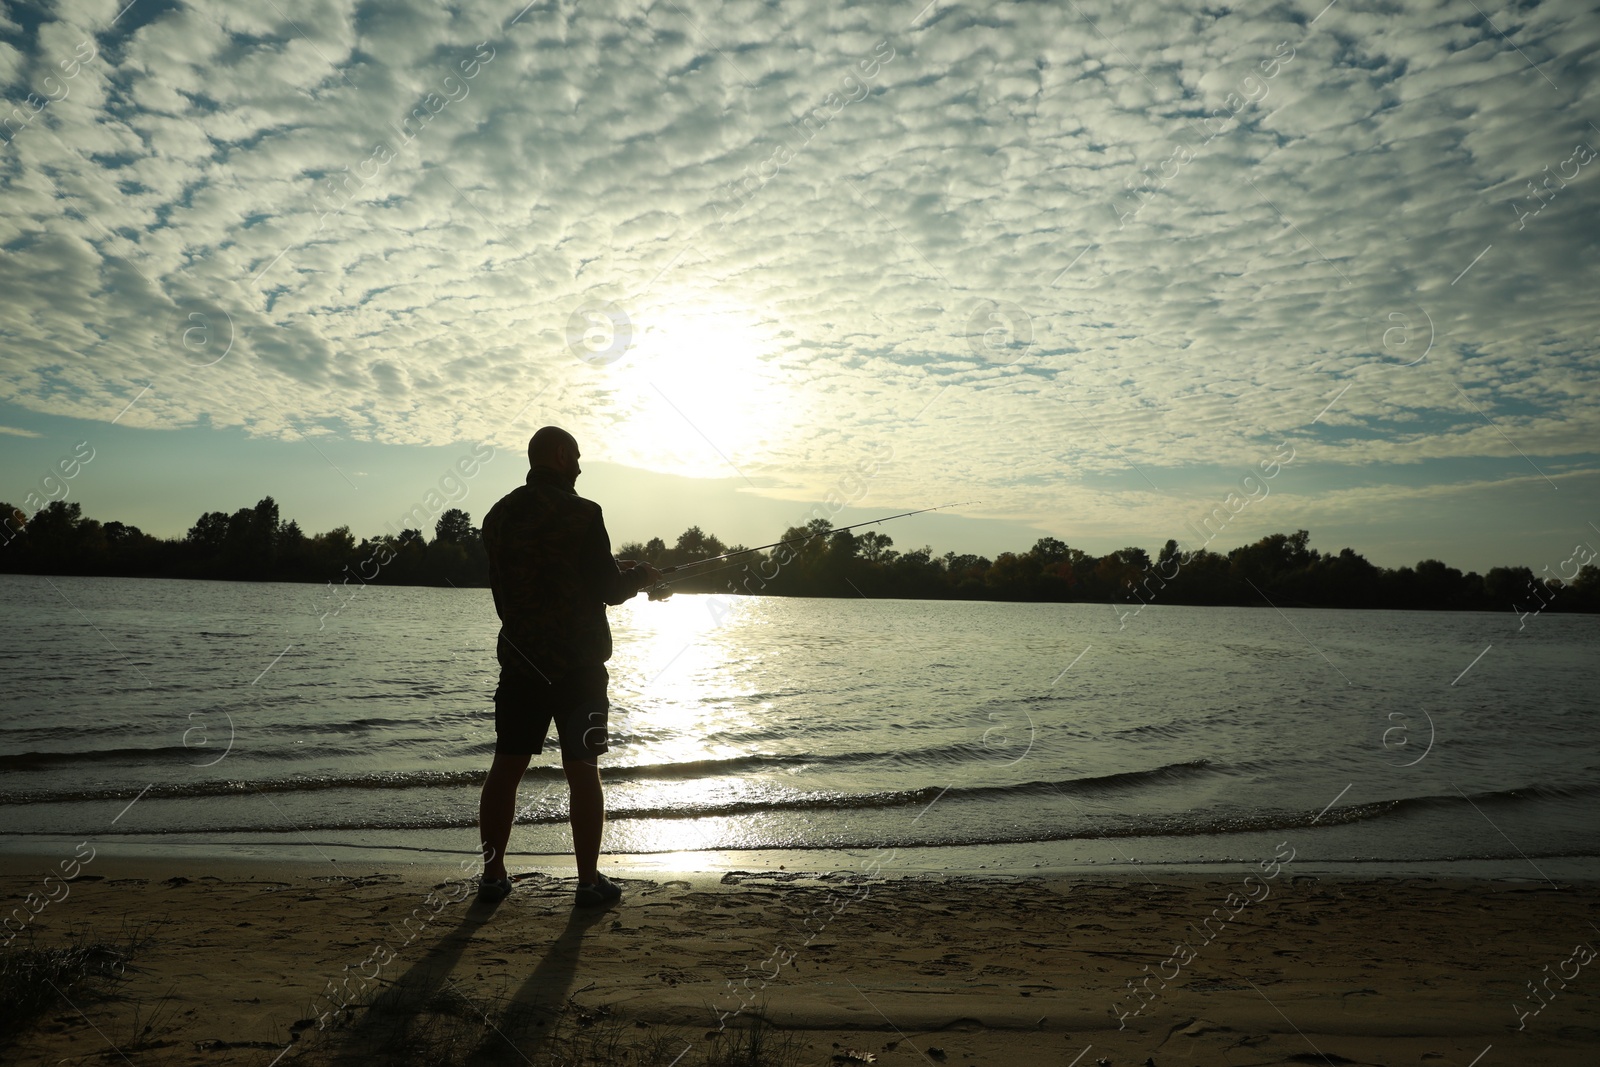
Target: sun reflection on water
x=678, y=700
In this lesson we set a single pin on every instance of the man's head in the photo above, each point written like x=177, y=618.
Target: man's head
x=553, y=447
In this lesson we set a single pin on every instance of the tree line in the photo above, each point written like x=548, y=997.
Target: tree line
x=257, y=544
x=251, y=545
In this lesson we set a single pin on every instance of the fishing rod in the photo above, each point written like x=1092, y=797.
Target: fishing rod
x=660, y=592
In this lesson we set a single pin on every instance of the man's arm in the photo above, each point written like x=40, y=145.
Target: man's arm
x=616, y=583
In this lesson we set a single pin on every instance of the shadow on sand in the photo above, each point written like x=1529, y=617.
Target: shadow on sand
x=390, y=1023
x=531, y=1017
x=424, y=1018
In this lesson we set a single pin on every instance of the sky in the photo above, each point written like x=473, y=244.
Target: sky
x=1092, y=266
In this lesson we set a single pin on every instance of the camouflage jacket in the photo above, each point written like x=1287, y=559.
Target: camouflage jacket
x=552, y=573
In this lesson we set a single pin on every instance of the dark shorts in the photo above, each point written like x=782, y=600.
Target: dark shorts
x=525, y=707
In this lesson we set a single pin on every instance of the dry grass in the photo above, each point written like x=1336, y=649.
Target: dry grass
x=400, y=1027
x=451, y=1029
x=35, y=982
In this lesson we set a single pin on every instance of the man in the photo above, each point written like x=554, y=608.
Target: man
x=552, y=573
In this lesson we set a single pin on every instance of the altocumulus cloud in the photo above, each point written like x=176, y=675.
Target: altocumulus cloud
x=1043, y=238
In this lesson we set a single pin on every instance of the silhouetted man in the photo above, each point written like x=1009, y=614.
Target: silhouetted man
x=552, y=573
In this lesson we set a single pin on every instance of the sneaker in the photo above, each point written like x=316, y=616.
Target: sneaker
x=603, y=892
x=494, y=890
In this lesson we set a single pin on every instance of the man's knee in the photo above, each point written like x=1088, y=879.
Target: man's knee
x=506, y=772
x=583, y=778
x=594, y=739
x=580, y=768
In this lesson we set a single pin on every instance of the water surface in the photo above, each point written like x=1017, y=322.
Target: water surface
x=209, y=714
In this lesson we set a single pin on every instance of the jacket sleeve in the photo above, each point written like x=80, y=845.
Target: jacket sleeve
x=614, y=585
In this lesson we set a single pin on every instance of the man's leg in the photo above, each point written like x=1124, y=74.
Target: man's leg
x=587, y=813
x=497, y=807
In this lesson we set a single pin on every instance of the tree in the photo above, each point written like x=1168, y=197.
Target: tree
x=264, y=523
x=1014, y=577
x=263, y=540
x=1347, y=580
x=1169, y=559
x=209, y=532
x=1134, y=557
x=250, y=546
x=1270, y=560
x=330, y=552
x=1439, y=586
x=965, y=573
x=695, y=544
x=1586, y=588
x=61, y=541
x=1049, y=550
x=454, y=527
x=14, y=520
x=1508, y=586
x=966, y=565
x=874, y=547
x=1120, y=575
x=813, y=560
x=1295, y=550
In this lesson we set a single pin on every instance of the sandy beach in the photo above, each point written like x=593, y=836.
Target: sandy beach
x=257, y=963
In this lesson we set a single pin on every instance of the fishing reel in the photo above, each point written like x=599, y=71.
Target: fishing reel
x=659, y=591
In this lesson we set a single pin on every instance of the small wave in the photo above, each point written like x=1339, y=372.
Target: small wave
x=1186, y=824
x=310, y=783
x=1498, y=796
x=691, y=769
x=1182, y=825
x=29, y=761
x=144, y=758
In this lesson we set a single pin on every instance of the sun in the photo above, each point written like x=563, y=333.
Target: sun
x=707, y=390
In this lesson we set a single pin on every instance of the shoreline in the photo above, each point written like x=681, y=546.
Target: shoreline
x=254, y=959
x=1484, y=608
x=1052, y=859
x=776, y=869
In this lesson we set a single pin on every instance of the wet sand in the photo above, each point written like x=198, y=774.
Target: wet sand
x=256, y=963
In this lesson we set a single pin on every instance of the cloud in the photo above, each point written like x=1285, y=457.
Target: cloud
x=1028, y=244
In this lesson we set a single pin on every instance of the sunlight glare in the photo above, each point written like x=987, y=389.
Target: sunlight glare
x=711, y=399
x=675, y=695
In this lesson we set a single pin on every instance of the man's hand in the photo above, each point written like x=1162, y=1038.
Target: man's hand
x=645, y=574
